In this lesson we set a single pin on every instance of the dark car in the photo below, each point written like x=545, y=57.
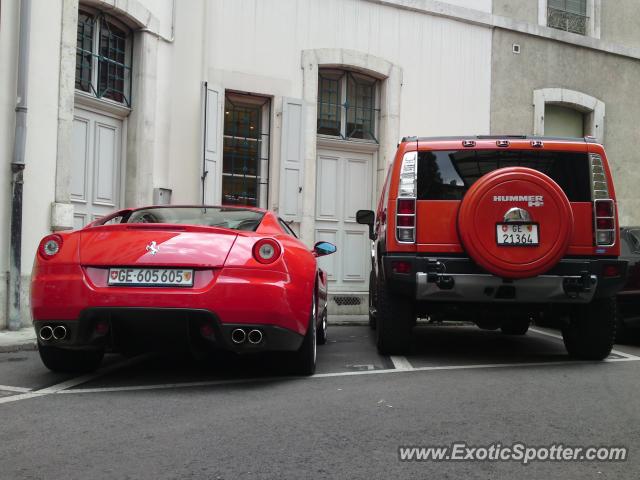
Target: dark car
x=629, y=296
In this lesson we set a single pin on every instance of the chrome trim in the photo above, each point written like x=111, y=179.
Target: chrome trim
x=46, y=333
x=483, y=287
x=238, y=336
x=595, y=223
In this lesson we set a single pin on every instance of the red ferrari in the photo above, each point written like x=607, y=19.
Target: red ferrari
x=226, y=277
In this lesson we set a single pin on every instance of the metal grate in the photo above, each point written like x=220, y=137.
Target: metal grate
x=568, y=21
x=245, y=165
x=347, y=301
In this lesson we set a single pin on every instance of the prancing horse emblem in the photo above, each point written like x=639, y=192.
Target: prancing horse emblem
x=153, y=248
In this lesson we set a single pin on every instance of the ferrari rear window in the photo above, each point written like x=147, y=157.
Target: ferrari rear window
x=447, y=175
x=233, y=218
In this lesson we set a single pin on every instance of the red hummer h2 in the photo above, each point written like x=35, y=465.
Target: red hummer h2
x=497, y=230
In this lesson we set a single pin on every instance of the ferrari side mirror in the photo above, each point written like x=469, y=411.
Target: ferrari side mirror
x=324, y=248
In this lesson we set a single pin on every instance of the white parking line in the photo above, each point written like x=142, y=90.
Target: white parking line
x=166, y=386
x=627, y=356
x=72, y=382
x=8, y=388
x=401, y=363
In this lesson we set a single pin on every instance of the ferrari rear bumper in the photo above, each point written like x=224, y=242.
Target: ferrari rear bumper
x=228, y=297
x=149, y=328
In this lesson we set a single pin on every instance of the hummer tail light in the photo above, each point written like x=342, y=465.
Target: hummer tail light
x=406, y=203
x=604, y=209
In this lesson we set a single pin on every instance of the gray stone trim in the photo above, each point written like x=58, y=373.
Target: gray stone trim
x=61, y=214
x=142, y=125
x=484, y=19
x=132, y=12
x=594, y=108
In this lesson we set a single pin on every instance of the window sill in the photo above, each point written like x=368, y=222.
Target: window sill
x=83, y=99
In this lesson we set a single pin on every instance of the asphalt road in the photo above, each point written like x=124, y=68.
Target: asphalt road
x=173, y=417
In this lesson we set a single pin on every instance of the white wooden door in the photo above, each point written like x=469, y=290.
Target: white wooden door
x=344, y=186
x=95, y=175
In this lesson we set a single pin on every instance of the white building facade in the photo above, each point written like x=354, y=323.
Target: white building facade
x=292, y=105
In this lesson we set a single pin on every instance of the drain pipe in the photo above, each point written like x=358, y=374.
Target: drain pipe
x=17, y=169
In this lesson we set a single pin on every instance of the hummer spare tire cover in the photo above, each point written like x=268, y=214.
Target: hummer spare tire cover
x=499, y=216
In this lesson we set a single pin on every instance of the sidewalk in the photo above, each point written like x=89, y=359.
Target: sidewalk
x=23, y=339
x=348, y=319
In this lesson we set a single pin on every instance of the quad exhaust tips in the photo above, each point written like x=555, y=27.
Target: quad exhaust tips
x=46, y=333
x=59, y=332
x=255, y=337
x=240, y=335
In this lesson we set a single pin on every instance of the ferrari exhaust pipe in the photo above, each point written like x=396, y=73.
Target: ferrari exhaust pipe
x=59, y=332
x=255, y=337
x=46, y=333
x=238, y=336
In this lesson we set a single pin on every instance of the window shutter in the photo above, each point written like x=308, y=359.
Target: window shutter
x=291, y=160
x=212, y=164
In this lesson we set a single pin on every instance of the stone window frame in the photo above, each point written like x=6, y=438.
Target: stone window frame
x=594, y=10
x=593, y=108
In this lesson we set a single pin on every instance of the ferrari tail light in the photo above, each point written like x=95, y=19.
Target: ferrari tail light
x=266, y=250
x=50, y=246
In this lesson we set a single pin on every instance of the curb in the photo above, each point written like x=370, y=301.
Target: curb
x=20, y=347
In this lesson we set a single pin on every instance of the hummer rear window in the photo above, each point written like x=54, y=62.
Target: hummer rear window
x=447, y=175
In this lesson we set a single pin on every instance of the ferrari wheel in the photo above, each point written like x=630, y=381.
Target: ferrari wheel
x=305, y=357
x=321, y=334
x=70, y=361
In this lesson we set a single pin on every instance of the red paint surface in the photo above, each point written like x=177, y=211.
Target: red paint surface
x=228, y=281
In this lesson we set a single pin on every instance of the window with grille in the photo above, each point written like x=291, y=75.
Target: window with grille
x=245, y=163
x=568, y=15
x=103, y=57
x=347, y=105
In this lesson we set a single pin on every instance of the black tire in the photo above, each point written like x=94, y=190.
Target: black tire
x=516, y=326
x=70, y=361
x=395, y=319
x=305, y=357
x=372, y=300
x=622, y=330
x=321, y=333
x=591, y=330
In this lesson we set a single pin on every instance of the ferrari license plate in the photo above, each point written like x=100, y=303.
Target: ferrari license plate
x=517, y=234
x=154, y=277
